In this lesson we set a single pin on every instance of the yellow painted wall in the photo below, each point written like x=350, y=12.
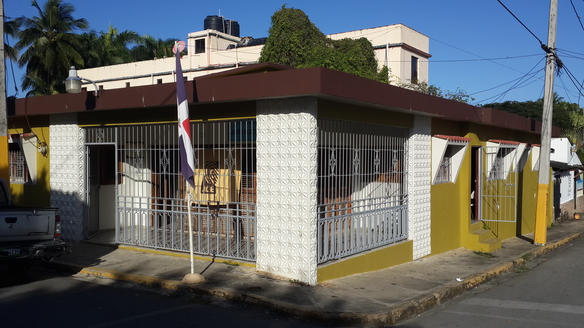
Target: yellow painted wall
x=449, y=209
x=369, y=261
x=451, y=224
x=4, y=172
x=37, y=194
x=527, y=198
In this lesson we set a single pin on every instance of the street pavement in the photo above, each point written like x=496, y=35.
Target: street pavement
x=378, y=298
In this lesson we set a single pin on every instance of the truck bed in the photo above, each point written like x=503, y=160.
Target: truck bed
x=26, y=223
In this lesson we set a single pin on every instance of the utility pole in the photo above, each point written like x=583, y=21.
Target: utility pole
x=4, y=164
x=542, y=205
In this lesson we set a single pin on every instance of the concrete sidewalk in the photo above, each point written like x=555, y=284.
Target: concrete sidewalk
x=382, y=297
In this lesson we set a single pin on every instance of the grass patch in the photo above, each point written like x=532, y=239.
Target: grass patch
x=484, y=254
x=297, y=282
x=521, y=269
x=527, y=257
x=231, y=263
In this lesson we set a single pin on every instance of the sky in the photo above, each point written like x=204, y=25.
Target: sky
x=476, y=46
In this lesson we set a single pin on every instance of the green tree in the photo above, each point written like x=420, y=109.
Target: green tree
x=108, y=48
x=150, y=48
x=423, y=87
x=295, y=41
x=50, y=46
x=12, y=28
x=566, y=115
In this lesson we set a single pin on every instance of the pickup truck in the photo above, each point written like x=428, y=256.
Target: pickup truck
x=28, y=233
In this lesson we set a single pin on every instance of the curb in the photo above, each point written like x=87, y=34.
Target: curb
x=391, y=316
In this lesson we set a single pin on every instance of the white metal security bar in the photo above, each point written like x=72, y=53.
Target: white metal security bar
x=362, y=189
x=151, y=200
x=498, y=183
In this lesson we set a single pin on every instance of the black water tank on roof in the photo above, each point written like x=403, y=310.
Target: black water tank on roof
x=214, y=22
x=232, y=27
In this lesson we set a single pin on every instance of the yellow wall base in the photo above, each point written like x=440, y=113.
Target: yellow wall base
x=4, y=171
x=540, y=233
x=369, y=261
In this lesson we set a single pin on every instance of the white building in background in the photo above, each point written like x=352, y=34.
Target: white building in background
x=219, y=47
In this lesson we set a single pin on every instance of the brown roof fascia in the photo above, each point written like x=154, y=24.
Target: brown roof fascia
x=158, y=95
x=276, y=81
x=342, y=86
x=248, y=69
x=414, y=50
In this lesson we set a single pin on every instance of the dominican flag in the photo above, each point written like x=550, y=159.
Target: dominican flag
x=187, y=166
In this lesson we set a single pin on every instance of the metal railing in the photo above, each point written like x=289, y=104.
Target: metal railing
x=498, y=184
x=362, y=190
x=152, y=197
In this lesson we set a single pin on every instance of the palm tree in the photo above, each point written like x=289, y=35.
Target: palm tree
x=108, y=48
x=51, y=47
x=151, y=48
x=11, y=28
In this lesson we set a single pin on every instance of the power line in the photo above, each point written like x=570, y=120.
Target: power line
x=481, y=59
x=574, y=80
x=578, y=16
x=470, y=53
x=521, y=82
x=520, y=22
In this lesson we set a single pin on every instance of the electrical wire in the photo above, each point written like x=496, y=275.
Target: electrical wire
x=481, y=59
x=470, y=53
x=574, y=80
x=577, y=16
x=520, y=22
x=521, y=82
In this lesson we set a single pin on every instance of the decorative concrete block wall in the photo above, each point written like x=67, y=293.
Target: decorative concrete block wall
x=68, y=177
x=419, y=173
x=287, y=190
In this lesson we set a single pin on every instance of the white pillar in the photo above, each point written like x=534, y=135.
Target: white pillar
x=418, y=174
x=67, y=170
x=287, y=191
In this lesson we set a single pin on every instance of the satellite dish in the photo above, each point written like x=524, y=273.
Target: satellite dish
x=181, y=46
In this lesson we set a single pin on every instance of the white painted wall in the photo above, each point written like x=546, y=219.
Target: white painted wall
x=217, y=58
x=562, y=150
x=286, y=199
x=566, y=186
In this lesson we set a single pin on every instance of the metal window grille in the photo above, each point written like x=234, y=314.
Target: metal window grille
x=497, y=163
x=17, y=163
x=152, y=196
x=362, y=189
x=444, y=171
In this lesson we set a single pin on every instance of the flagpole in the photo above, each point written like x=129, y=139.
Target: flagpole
x=187, y=165
x=190, y=227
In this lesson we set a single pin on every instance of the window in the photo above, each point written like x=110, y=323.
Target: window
x=22, y=152
x=200, y=46
x=414, y=74
x=17, y=162
x=499, y=166
x=447, y=155
x=444, y=174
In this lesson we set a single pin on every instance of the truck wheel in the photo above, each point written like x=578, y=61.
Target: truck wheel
x=19, y=267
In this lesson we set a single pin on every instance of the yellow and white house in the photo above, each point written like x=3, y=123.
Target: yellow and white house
x=311, y=174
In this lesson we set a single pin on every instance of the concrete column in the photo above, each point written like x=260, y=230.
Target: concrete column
x=287, y=190
x=418, y=175
x=67, y=170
